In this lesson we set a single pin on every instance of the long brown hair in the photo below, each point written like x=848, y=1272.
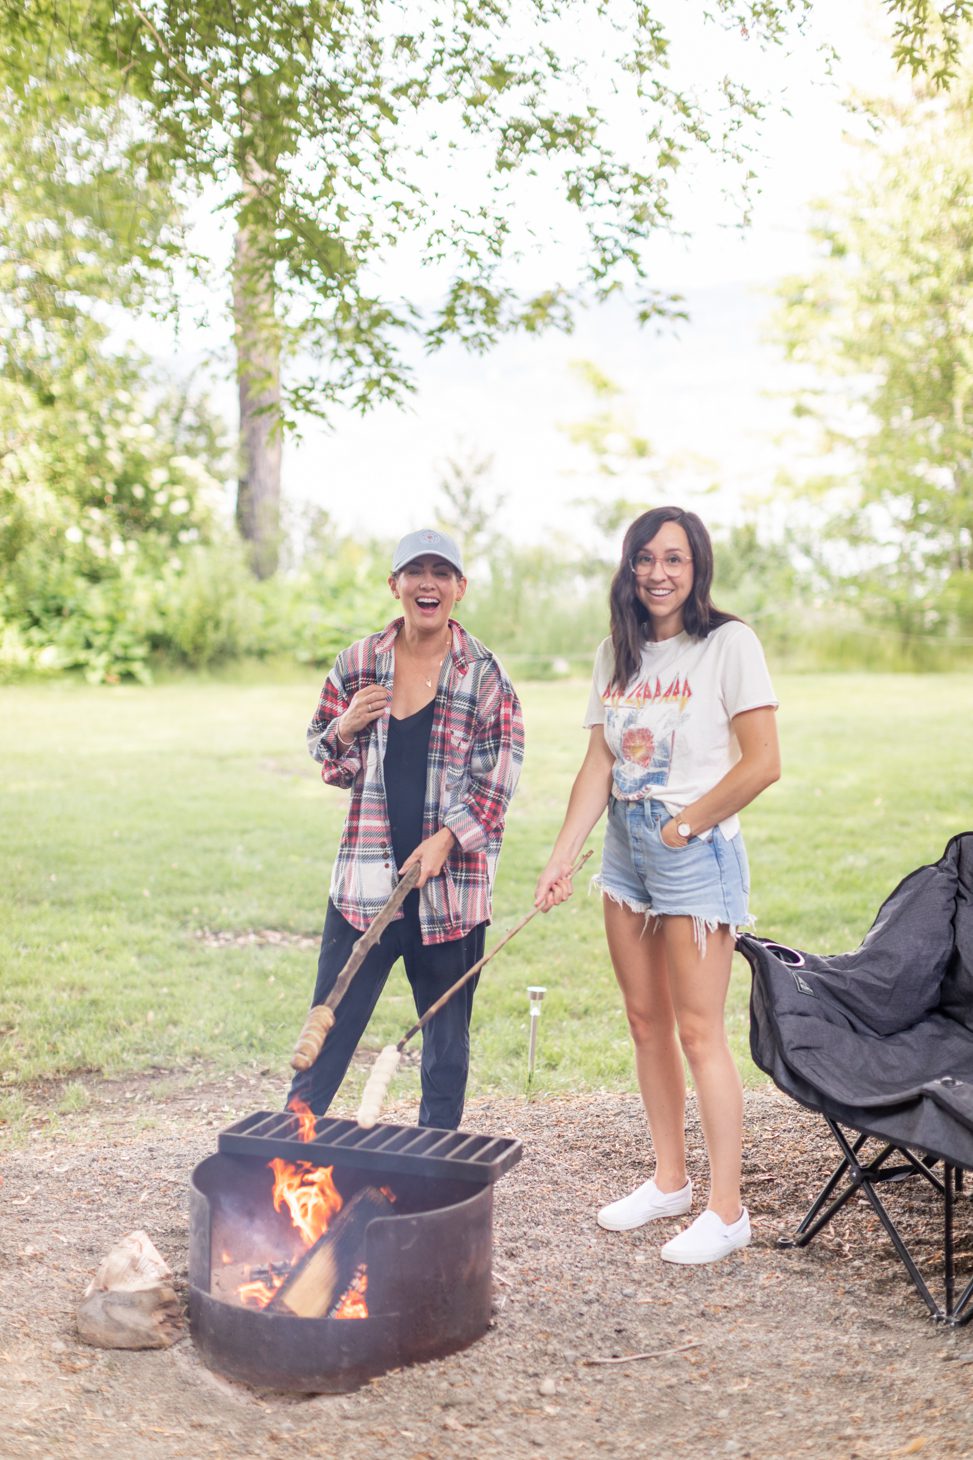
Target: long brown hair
x=630, y=619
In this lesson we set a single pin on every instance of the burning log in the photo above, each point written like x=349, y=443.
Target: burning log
x=329, y=1268
x=130, y=1302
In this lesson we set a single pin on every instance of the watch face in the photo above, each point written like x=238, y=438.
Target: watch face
x=684, y=829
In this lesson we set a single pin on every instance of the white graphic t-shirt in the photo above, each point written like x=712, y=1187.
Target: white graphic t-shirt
x=669, y=729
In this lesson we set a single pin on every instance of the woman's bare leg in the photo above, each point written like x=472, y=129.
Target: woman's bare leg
x=698, y=985
x=639, y=958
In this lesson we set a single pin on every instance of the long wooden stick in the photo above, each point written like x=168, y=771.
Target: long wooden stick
x=455, y=988
x=385, y=1066
x=321, y=1017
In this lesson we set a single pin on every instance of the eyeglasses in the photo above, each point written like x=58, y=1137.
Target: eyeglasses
x=672, y=563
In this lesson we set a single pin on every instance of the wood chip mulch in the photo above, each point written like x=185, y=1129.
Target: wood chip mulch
x=597, y=1347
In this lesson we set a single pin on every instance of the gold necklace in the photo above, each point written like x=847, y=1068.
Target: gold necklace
x=449, y=645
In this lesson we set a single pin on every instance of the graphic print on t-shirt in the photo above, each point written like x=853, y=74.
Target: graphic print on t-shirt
x=646, y=744
x=670, y=728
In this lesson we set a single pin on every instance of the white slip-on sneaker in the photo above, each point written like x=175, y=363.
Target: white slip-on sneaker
x=645, y=1205
x=708, y=1239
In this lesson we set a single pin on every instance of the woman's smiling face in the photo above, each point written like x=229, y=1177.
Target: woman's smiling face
x=663, y=584
x=428, y=589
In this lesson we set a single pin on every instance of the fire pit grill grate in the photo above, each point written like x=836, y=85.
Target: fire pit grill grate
x=404, y=1149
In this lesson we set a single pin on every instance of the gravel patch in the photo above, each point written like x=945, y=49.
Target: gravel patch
x=597, y=1347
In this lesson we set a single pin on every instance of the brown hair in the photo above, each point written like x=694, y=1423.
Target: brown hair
x=630, y=622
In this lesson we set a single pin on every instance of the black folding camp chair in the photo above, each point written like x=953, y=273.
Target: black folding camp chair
x=880, y=1042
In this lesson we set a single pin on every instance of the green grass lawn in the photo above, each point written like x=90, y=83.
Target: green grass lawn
x=135, y=818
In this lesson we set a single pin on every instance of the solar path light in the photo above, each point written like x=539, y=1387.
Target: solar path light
x=536, y=995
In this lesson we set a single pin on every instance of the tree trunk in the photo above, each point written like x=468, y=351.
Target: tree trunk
x=257, y=340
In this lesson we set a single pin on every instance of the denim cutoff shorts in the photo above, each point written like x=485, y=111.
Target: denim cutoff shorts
x=707, y=880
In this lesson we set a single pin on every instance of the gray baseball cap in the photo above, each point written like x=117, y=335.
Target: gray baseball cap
x=427, y=542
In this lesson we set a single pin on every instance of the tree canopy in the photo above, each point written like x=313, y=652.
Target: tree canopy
x=330, y=128
x=928, y=38
x=327, y=133
x=335, y=138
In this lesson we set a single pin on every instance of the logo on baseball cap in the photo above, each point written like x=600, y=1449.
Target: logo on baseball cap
x=427, y=542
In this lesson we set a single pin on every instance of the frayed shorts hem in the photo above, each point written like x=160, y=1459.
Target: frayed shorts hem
x=620, y=898
x=707, y=880
x=652, y=916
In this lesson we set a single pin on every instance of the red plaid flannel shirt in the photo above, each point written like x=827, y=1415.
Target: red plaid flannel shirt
x=476, y=749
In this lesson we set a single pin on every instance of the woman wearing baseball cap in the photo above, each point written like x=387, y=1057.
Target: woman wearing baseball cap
x=422, y=725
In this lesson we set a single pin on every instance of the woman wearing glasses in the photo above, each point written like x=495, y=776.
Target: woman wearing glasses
x=682, y=736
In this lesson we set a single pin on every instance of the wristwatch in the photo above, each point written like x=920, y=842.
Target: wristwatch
x=684, y=829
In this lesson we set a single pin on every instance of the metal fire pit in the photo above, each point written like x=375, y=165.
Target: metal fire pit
x=429, y=1265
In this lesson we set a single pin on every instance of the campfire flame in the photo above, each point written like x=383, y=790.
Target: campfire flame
x=309, y=1194
x=353, y=1303
x=313, y=1201
x=258, y=1293
x=307, y=1129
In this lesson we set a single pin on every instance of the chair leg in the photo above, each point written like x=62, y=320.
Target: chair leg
x=867, y=1176
x=810, y=1225
x=905, y=1255
x=949, y=1273
x=957, y=1311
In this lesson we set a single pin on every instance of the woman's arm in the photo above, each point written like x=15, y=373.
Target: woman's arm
x=757, y=768
x=340, y=717
x=588, y=799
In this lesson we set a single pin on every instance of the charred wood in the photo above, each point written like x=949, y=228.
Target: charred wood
x=328, y=1268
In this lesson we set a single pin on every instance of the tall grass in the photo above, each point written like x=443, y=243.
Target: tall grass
x=136, y=820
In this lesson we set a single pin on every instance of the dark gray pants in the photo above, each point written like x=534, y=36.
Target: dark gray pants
x=431, y=969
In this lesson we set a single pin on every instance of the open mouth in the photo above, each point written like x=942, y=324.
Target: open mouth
x=427, y=603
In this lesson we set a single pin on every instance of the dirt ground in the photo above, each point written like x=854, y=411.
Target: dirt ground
x=774, y=1353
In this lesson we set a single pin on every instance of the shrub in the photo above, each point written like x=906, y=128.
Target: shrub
x=206, y=607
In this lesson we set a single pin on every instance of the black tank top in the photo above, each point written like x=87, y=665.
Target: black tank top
x=405, y=768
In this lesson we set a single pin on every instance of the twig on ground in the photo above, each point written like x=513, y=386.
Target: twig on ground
x=658, y=1354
